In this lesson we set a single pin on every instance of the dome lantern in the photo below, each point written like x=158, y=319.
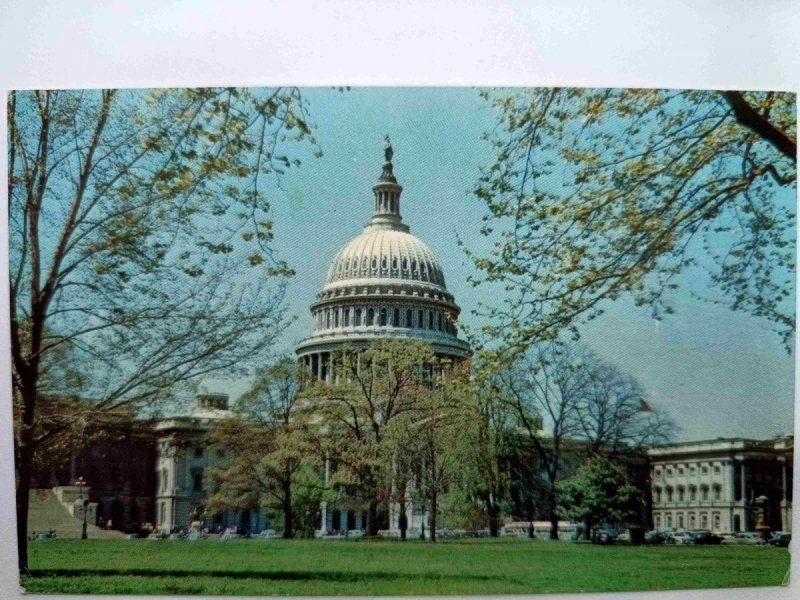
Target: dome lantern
x=387, y=194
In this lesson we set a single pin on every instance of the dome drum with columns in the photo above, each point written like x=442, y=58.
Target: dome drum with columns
x=384, y=283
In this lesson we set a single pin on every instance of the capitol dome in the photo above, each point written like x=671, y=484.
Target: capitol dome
x=383, y=284
x=382, y=253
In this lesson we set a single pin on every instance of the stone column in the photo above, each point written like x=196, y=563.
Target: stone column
x=731, y=475
x=742, y=483
x=319, y=365
x=784, y=496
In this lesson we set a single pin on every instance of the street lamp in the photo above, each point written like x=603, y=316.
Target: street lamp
x=81, y=483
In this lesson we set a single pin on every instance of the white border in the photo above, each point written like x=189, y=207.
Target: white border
x=647, y=43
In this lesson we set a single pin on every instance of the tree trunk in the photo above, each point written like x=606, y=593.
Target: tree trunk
x=493, y=510
x=553, y=517
x=433, y=515
x=587, y=531
x=372, y=518
x=288, y=513
x=24, y=466
x=402, y=520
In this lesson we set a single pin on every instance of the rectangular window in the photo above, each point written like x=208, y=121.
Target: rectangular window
x=197, y=480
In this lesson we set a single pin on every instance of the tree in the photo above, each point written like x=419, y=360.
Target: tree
x=131, y=213
x=595, y=194
x=599, y=491
x=489, y=450
x=614, y=416
x=441, y=417
x=273, y=461
x=370, y=388
x=567, y=404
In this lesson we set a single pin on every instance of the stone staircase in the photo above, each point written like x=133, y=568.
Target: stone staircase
x=47, y=512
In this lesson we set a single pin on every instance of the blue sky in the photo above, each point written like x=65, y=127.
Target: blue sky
x=718, y=373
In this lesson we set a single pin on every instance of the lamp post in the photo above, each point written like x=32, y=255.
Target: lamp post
x=81, y=483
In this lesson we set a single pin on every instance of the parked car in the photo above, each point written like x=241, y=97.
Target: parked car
x=655, y=537
x=604, y=536
x=747, y=537
x=780, y=539
x=682, y=537
x=706, y=538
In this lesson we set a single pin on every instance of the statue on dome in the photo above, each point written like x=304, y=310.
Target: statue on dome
x=387, y=148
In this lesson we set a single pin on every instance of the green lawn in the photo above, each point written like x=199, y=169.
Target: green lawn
x=309, y=567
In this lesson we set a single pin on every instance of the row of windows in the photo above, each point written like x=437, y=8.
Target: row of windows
x=669, y=493
x=419, y=319
x=681, y=470
x=688, y=521
x=406, y=267
x=197, y=480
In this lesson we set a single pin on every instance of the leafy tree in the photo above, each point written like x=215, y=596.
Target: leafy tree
x=131, y=215
x=489, y=450
x=599, y=491
x=599, y=193
x=442, y=416
x=370, y=389
x=566, y=403
x=273, y=461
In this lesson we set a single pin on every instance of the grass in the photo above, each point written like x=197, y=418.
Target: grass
x=310, y=567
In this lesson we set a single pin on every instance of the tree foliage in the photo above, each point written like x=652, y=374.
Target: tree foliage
x=140, y=237
x=370, y=388
x=596, y=194
x=274, y=463
x=599, y=491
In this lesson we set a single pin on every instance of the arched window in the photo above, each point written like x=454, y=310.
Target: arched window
x=414, y=265
x=405, y=264
x=440, y=321
x=680, y=520
x=336, y=318
x=347, y=317
x=704, y=492
x=420, y=320
x=669, y=520
x=657, y=494
x=383, y=317
x=371, y=316
x=692, y=520
x=327, y=319
x=692, y=492
x=357, y=318
x=681, y=494
x=669, y=493
x=394, y=264
x=409, y=318
x=704, y=521
x=430, y=319
x=374, y=263
x=396, y=318
x=658, y=521
x=717, y=491
x=384, y=263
